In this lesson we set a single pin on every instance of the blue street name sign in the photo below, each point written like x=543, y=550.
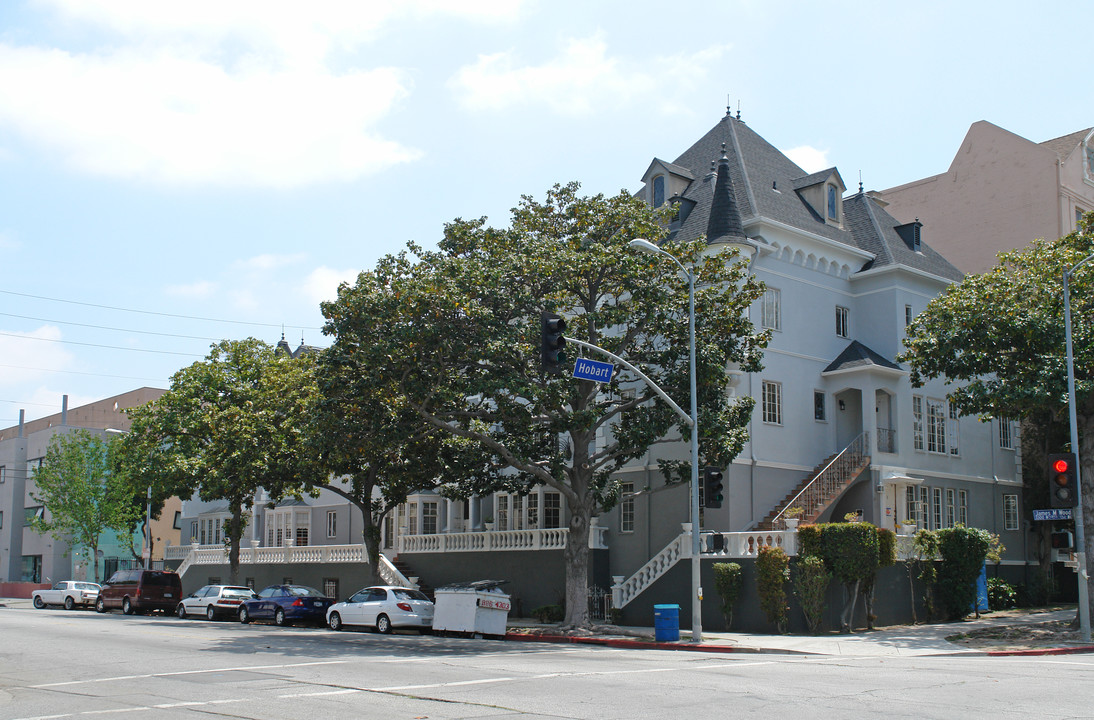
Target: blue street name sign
x=1054, y=514
x=585, y=369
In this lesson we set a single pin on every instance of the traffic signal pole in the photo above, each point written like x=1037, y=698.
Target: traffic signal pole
x=1080, y=535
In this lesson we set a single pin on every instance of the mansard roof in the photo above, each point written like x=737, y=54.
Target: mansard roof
x=764, y=184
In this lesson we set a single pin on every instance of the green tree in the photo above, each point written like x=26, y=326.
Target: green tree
x=82, y=497
x=229, y=425
x=460, y=343
x=371, y=448
x=998, y=338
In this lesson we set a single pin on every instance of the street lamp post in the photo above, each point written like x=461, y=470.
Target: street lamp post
x=696, y=578
x=1080, y=536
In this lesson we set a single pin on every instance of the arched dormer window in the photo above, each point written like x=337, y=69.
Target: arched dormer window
x=833, y=212
x=659, y=191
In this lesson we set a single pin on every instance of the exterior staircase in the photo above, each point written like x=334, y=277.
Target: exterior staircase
x=823, y=486
x=408, y=572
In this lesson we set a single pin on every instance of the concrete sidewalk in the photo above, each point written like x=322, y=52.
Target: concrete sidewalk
x=904, y=640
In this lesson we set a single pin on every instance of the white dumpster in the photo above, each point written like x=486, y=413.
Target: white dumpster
x=477, y=608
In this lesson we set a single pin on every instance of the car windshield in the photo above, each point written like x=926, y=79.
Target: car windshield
x=304, y=591
x=236, y=592
x=401, y=594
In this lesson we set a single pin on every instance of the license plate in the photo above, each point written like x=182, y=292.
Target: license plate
x=317, y=604
x=167, y=594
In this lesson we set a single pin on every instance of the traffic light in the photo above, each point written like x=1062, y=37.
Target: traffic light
x=1063, y=487
x=552, y=341
x=713, y=487
x=1062, y=540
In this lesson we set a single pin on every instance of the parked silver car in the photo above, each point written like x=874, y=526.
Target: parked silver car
x=69, y=593
x=215, y=601
x=383, y=607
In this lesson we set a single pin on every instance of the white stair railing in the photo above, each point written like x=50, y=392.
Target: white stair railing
x=623, y=591
x=815, y=496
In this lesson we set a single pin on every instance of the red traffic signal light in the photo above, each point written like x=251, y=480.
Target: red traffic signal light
x=1063, y=485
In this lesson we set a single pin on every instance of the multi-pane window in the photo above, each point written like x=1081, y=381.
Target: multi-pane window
x=907, y=315
x=533, y=511
x=194, y=531
x=917, y=422
x=626, y=508
x=1010, y=512
x=412, y=518
x=332, y=525
x=842, y=322
x=503, y=512
x=1006, y=439
x=301, y=537
x=772, y=402
x=951, y=507
x=552, y=510
x=924, y=507
x=936, y=508
x=771, y=309
x=953, y=431
x=963, y=508
x=936, y=426
x=518, y=512
x=819, y=406
x=429, y=518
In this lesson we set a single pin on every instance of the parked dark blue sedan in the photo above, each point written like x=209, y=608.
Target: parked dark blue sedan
x=285, y=604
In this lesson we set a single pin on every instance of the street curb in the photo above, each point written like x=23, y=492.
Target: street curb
x=623, y=643
x=1080, y=649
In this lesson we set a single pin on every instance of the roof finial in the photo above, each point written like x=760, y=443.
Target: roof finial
x=859, y=182
x=729, y=106
x=723, y=150
x=738, y=108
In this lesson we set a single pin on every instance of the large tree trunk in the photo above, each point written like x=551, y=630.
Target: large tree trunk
x=372, y=543
x=233, y=551
x=576, y=556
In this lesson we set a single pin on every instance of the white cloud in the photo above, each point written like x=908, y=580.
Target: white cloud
x=809, y=158
x=322, y=283
x=581, y=79
x=253, y=93
x=199, y=290
x=267, y=262
x=29, y=356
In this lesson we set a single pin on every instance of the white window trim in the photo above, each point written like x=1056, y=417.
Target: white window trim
x=843, y=322
x=1010, y=512
x=771, y=405
x=771, y=312
x=626, y=509
x=918, y=436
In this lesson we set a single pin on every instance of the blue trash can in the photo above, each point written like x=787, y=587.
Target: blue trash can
x=666, y=623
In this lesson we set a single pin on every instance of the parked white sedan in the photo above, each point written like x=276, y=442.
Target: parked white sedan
x=213, y=601
x=69, y=593
x=383, y=607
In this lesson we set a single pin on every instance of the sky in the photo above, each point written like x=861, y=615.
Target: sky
x=174, y=174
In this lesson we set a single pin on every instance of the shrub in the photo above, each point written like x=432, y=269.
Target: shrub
x=549, y=613
x=772, y=572
x=811, y=586
x=727, y=581
x=1001, y=594
x=963, y=551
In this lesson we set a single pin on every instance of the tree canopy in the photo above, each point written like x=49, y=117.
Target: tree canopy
x=227, y=426
x=998, y=338
x=455, y=333
x=82, y=495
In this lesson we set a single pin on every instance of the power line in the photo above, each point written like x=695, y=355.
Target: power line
x=110, y=347
x=159, y=314
x=77, y=372
x=106, y=327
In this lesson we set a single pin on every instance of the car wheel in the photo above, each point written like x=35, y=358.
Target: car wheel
x=38, y=602
x=279, y=617
x=210, y=613
x=127, y=607
x=383, y=625
x=244, y=616
x=181, y=611
x=70, y=604
x=100, y=605
x=335, y=621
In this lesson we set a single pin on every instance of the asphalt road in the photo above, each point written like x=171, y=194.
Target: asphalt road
x=61, y=664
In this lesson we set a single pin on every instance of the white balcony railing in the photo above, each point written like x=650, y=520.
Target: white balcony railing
x=491, y=540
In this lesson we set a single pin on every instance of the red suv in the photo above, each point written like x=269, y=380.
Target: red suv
x=140, y=590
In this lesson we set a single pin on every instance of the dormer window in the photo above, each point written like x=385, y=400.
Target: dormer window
x=832, y=207
x=659, y=191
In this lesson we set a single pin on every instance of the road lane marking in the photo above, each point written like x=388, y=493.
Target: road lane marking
x=184, y=672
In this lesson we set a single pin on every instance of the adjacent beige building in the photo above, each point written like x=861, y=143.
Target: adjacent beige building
x=1000, y=192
